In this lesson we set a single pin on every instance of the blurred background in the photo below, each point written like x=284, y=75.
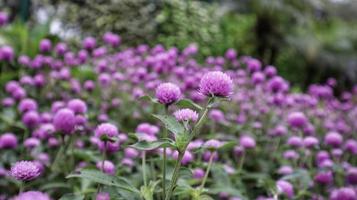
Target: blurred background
x=307, y=40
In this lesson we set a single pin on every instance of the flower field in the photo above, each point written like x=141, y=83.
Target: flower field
x=99, y=121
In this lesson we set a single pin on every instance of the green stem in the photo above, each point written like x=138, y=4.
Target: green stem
x=144, y=167
x=207, y=171
x=175, y=176
x=164, y=158
x=104, y=155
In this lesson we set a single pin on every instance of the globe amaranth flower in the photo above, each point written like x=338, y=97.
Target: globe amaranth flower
x=106, y=129
x=27, y=105
x=167, y=93
x=352, y=175
x=31, y=195
x=31, y=119
x=216, y=84
x=78, y=106
x=212, y=144
x=286, y=188
x=247, y=142
x=108, y=167
x=344, y=193
x=25, y=171
x=45, y=45
x=8, y=141
x=297, y=120
x=186, y=114
x=333, y=139
x=198, y=173
x=324, y=178
x=102, y=196
x=64, y=121
x=147, y=128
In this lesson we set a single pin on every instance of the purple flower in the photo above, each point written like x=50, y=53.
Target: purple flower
x=31, y=143
x=64, y=121
x=247, y=142
x=8, y=141
x=3, y=18
x=31, y=195
x=297, y=120
x=45, y=45
x=286, y=188
x=25, y=170
x=295, y=141
x=107, y=129
x=78, y=106
x=27, y=105
x=198, y=173
x=216, y=115
x=108, y=167
x=167, y=93
x=343, y=194
x=285, y=170
x=212, y=144
x=324, y=178
x=216, y=84
x=89, y=43
x=310, y=142
x=352, y=176
x=333, y=139
x=31, y=119
x=7, y=53
x=103, y=196
x=186, y=115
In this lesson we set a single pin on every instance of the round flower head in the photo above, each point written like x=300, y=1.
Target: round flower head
x=31, y=119
x=8, y=141
x=31, y=195
x=333, y=139
x=89, y=43
x=324, y=178
x=216, y=84
x=186, y=115
x=108, y=167
x=106, y=129
x=27, y=105
x=168, y=93
x=64, y=121
x=352, y=176
x=102, y=196
x=212, y=144
x=343, y=194
x=297, y=120
x=286, y=188
x=25, y=170
x=45, y=45
x=247, y=142
x=198, y=173
x=77, y=105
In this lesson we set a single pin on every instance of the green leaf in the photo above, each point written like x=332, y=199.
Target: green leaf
x=56, y=185
x=205, y=197
x=227, y=146
x=72, y=197
x=148, y=98
x=188, y=103
x=171, y=124
x=102, y=178
x=145, y=145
